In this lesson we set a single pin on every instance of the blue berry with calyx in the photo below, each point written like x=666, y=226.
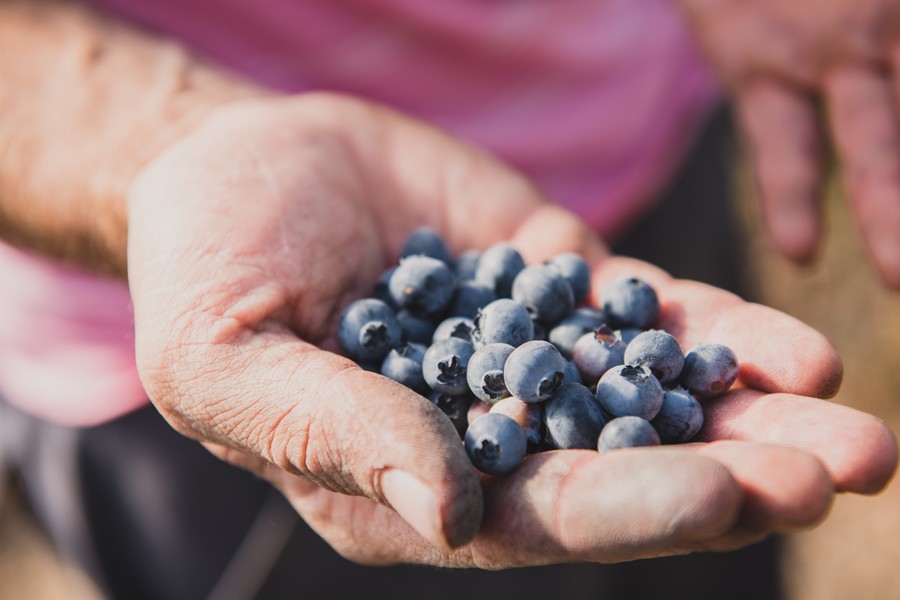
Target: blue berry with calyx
x=573, y=418
x=455, y=407
x=630, y=302
x=534, y=371
x=403, y=364
x=528, y=416
x=368, y=329
x=422, y=285
x=680, y=417
x=484, y=373
x=426, y=242
x=627, y=432
x=544, y=292
x=444, y=366
x=466, y=264
x=658, y=351
x=567, y=332
x=458, y=327
x=416, y=329
x=503, y=321
x=495, y=444
x=709, y=370
x=596, y=352
x=576, y=271
x=630, y=391
x=470, y=296
x=498, y=267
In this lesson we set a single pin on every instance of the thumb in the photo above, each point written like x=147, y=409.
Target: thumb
x=320, y=417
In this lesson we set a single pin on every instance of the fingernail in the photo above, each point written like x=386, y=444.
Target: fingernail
x=416, y=503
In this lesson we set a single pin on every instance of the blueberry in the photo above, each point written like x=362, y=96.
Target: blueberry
x=628, y=334
x=382, y=290
x=426, y=242
x=422, y=285
x=495, y=444
x=527, y=416
x=658, y=351
x=458, y=327
x=627, y=432
x=455, y=407
x=680, y=417
x=630, y=302
x=576, y=271
x=630, y=391
x=484, y=373
x=567, y=332
x=597, y=352
x=572, y=374
x=544, y=292
x=534, y=371
x=466, y=264
x=503, y=321
x=404, y=365
x=416, y=329
x=573, y=418
x=470, y=296
x=709, y=370
x=498, y=267
x=444, y=366
x=368, y=329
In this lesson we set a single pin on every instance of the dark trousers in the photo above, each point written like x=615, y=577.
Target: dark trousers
x=149, y=514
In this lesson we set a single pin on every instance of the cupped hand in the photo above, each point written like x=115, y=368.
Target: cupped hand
x=783, y=63
x=249, y=236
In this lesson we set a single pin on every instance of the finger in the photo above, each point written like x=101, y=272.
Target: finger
x=318, y=416
x=785, y=489
x=862, y=114
x=786, y=148
x=557, y=507
x=857, y=450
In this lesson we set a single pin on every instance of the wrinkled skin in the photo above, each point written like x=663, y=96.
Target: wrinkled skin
x=784, y=62
x=248, y=237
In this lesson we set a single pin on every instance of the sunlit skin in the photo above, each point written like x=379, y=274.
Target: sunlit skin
x=249, y=235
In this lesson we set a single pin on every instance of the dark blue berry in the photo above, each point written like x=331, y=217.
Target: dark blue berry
x=544, y=292
x=458, y=327
x=597, y=352
x=503, y=321
x=680, y=417
x=368, y=329
x=658, y=351
x=444, y=366
x=498, y=267
x=426, y=242
x=455, y=407
x=709, y=370
x=630, y=302
x=573, y=418
x=534, y=371
x=485, y=372
x=567, y=332
x=404, y=365
x=627, y=432
x=466, y=264
x=576, y=271
x=630, y=391
x=495, y=444
x=422, y=285
x=470, y=296
x=416, y=329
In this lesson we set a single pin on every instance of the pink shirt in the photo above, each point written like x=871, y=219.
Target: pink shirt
x=595, y=100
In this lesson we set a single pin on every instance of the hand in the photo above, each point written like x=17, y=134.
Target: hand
x=780, y=60
x=249, y=236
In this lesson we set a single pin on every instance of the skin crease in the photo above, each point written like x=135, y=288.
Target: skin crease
x=251, y=224
x=805, y=75
x=318, y=170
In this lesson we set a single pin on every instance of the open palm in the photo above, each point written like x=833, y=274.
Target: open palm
x=249, y=236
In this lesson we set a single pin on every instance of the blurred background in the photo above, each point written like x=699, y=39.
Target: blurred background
x=854, y=554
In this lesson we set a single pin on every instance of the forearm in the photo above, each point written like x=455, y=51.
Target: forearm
x=85, y=102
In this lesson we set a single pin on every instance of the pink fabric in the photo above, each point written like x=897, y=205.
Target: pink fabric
x=596, y=100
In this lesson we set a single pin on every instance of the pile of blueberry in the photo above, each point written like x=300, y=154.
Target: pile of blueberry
x=510, y=354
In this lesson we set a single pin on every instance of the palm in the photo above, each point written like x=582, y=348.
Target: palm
x=247, y=240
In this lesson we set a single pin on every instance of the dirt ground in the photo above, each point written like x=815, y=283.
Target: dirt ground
x=854, y=554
